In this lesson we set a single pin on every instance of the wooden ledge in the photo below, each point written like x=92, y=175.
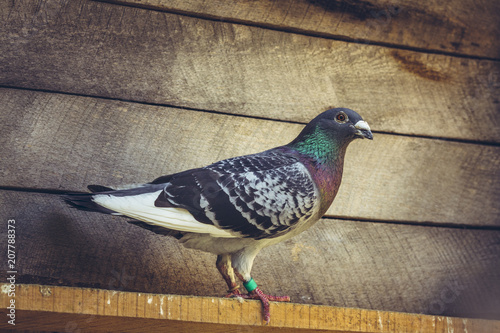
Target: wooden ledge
x=51, y=308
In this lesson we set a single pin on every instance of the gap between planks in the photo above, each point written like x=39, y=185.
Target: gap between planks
x=154, y=309
x=294, y=30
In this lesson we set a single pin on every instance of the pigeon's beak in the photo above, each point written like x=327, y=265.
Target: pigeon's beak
x=363, y=130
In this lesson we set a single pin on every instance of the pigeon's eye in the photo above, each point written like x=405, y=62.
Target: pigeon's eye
x=341, y=117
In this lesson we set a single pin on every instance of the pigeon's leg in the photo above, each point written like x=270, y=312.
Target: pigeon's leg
x=242, y=262
x=254, y=292
x=226, y=270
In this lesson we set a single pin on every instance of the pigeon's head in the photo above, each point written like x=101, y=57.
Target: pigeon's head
x=330, y=131
x=343, y=124
x=340, y=124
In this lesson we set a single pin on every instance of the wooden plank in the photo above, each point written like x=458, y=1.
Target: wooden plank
x=121, y=52
x=365, y=320
x=67, y=142
x=449, y=26
x=378, y=266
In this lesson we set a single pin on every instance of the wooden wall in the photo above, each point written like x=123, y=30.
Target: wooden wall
x=118, y=92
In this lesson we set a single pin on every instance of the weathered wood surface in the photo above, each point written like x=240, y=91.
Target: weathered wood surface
x=448, y=26
x=66, y=309
x=107, y=50
x=64, y=142
x=67, y=142
x=380, y=266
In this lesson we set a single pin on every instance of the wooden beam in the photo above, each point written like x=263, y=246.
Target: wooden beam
x=67, y=142
x=62, y=308
x=446, y=26
x=379, y=266
x=106, y=50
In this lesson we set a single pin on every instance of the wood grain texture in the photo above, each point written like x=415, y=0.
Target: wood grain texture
x=121, y=52
x=67, y=142
x=378, y=266
x=449, y=26
x=284, y=315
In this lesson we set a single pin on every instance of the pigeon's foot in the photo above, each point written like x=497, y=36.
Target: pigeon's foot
x=258, y=294
x=235, y=292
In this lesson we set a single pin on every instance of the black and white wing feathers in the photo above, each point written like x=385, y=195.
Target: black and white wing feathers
x=259, y=196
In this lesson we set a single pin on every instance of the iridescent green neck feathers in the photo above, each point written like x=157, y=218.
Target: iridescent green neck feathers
x=320, y=146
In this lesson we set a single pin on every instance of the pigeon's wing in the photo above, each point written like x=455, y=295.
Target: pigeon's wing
x=259, y=196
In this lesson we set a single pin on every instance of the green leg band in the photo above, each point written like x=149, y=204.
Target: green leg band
x=250, y=285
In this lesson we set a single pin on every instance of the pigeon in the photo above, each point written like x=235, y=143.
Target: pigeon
x=236, y=207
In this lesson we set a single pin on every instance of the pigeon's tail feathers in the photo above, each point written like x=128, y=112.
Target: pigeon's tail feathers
x=139, y=204
x=83, y=201
x=99, y=188
x=88, y=202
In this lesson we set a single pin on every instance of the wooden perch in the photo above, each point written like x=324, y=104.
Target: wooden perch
x=69, y=309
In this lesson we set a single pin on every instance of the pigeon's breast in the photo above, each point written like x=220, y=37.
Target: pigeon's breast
x=327, y=179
